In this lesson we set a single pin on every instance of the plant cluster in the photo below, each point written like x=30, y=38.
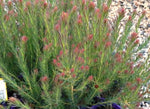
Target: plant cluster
x=64, y=54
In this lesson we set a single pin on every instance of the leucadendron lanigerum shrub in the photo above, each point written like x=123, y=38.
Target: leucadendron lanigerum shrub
x=62, y=54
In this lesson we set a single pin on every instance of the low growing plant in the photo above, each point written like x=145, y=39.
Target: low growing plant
x=65, y=54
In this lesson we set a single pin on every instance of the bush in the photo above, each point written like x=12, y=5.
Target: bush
x=62, y=55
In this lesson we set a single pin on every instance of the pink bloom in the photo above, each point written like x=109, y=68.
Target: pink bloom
x=44, y=79
x=45, y=39
x=57, y=27
x=91, y=5
x=97, y=11
x=138, y=80
x=9, y=3
x=54, y=61
x=64, y=16
x=72, y=70
x=73, y=75
x=82, y=51
x=108, y=44
x=83, y=2
x=20, y=1
x=137, y=41
x=86, y=67
x=121, y=11
x=76, y=50
x=55, y=9
x=130, y=18
x=134, y=35
x=13, y=99
x=58, y=64
x=82, y=67
x=79, y=16
x=62, y=74
x=79, y=21
x=107, y=34
x=105, y=20
x=105, y=7
x=74, y=8
x=60, y=53
x=24, y=39
x=143, y=12
x=45, y=4
x=28, y=4
x=46, y=48
x=90, y=37
x=90, y=78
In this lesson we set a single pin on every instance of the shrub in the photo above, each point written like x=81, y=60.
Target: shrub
x=64, y=54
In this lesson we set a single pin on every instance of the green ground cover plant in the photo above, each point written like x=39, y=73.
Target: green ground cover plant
x=64, y=54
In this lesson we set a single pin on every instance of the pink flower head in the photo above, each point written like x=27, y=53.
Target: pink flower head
x=108, y=44
x=44, y=79
x=60, y=53
x=46, y=48
x=79, y=21
x=79, y=16
x=58, y=64
x=105, y=8
x=76, y=50
x=72, y=70
x=121, y=11
x=138, y=80
x=45, y=39
x=107, y=34
x=137, y=41
x=20, y=1
x=73, y=75
x=83, y=2
x=134, y=35
x=90, y=78
x=55, y=9
x=9, y=3
x=143, y=12
x=62, y=74
x=13, y=99
x=82, y=50
x=90, y=37
x=86, y=67
x=54, y=61
x=57, y=27
x=64, y=16
x=45, y=4
x=92, y=5
x=97, y=11
x=130, y=18
x=28, y=4
x=24, y=39
x=105, y=21
x=82, y=67
x=74, y=8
